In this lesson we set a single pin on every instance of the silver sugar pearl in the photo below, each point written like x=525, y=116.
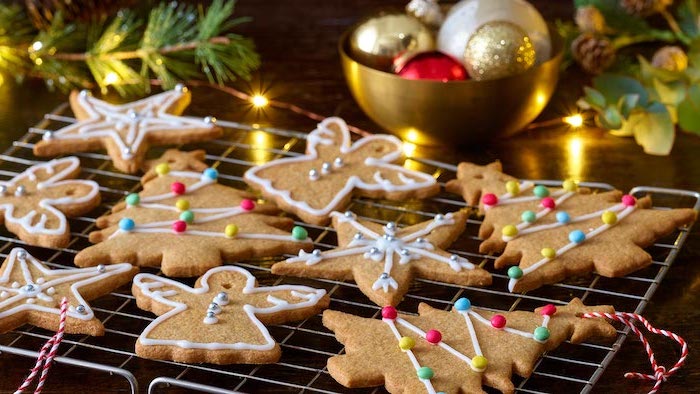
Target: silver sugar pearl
x=211, y=315
x=316, y=253
x=358, y=236
x=209, y=120
x=214, y=307
x=373, y=250
x=313, y=174
x=384, y=275
x=439, y=217
x=80, y=309
x=126, y=151
x=404, y=252
x=391, y=226
x=132, y=114
x=29, y=288
x=101, y=268
x=20, y=191
x=48, y=135
x=454, y=257
x=349, y=214
x=222, y=296
x=420, y=240
x=22, y=254
x=338, y=162
x=326, y=167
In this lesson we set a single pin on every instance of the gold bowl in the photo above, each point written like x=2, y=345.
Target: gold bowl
x=455, y=112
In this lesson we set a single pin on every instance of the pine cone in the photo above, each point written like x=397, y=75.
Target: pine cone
x=671, y=58
x=593, y=53
x=589, y=20
x=644, y=8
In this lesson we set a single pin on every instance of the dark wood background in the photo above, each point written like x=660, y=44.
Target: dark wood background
x=297, y=41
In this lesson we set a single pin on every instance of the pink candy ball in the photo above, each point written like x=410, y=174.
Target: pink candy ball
x=247, y=205
x=179, y=226
x=177, y=188
x=489, y=199
x=628, y=200
x=548, y=202
x=548, y=310
x=433, y=336
x=498, y=321
x=389, y=312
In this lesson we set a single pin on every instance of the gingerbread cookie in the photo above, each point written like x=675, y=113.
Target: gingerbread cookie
x=222, y=319
x=31, y=293
x=333, y=169
x=35, y=203
x=384, y=260
x=177, y=160
x=456, y=351
x=186, y=223
x=127, y=130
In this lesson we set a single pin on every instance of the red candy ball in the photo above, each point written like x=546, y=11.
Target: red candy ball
x=431, y=65
x=433, y=336
x=498, y=321
x=548, y=310
x=628, y=200
x=247, y=205
x=389, y=312
x=489, y=199
x=548, y=202
x=179, y=226
x=177, y=188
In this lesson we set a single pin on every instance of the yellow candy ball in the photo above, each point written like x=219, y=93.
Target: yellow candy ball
x=162, y=169
x=609, y=217
x=548, y=253
x=231, y=230
x=513, y=187
x=509, y=230
x=570, y=185
x=182, y=205
x=406, y=343
x=479, y=362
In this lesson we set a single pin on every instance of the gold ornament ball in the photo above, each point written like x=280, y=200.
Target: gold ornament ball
x=379, y=39
x=498, y=49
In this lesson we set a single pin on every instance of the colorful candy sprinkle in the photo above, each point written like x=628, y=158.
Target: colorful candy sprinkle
x=541, y=333
x=133, y=199
x=563, y=217
x=463, y=304
x=548, y=253
x=528, y=217
x=509, y=230
x=299, y=233
x=498, y=321
x=540, y=191
x=513, y=187
x=548, y=202
x=247, y=204
x=126, y=224
x=182, y=205
x=577, y=236
x=425, y=373
x=406, y=343
x=628, y=200
x=479, y=363
x=433, y=336
x=609, y=217
x=515, y=272
x=569, y=185
x=187, y=216
x=231, y=230
x=179, y=226
x=389, y=312
x=489, y=199
x=178, y=188
x=548, y=310
x=162, y=169
x=211, y=173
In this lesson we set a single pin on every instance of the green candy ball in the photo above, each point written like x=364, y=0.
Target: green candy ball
x=528, y=217
x=187, y=216
x=425, y=373
x=515, y=272
x=541, y=333
x=299, y=233
x=540, y=191
x=133, y=199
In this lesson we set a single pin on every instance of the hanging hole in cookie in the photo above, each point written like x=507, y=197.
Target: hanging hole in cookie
x=478, y=176
x=226, y=285
x=70, y=192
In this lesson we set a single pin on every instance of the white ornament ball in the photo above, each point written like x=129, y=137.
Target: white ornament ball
x=467, y=16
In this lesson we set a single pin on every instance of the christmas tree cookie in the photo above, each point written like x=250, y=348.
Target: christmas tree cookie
x=334, y=169
x=127, y=130
x=221, y=319
x=35, y=203
x=456, y=351
x=186, y=223
x=31, y=292
x=383, y=260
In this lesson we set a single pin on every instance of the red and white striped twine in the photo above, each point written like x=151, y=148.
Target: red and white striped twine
x=660, y=373
x=47, y=354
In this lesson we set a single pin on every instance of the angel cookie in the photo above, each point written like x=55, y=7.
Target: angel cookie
x=185, y=222
x=126, y=131
x=35, y=203
x=333, y=169
x=221, y=320
x=456, y=351
x=384, y=260
x=31, y=293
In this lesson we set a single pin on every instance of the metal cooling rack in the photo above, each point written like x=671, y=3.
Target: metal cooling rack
x=110, y=360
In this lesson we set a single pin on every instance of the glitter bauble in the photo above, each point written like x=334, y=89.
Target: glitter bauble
x=498, y=49
x=381, y=38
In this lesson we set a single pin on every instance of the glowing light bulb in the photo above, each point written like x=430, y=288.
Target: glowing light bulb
x=37, y=45
x=259, y=101
x=575, y=120
x=111, y=78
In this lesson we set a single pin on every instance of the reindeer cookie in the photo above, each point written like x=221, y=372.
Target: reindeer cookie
x=333, y=169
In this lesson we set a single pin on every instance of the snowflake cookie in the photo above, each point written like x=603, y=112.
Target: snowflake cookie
x=127, y=130
x=35, y=203
x=383, y=260
x=454, y=351
x=185, y=222
x=30, y=292
x=221, y=320
x=333, y=169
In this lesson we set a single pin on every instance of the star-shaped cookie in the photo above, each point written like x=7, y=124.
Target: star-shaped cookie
x=333, y=169
x=31, y=293
x=221, y=319
x=126, y=131
x=384, y=260
x=35, y=203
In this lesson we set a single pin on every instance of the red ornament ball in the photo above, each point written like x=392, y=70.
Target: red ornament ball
x=247, y=205
x=177, y=188
x=489, y=199
x=433, y=336
x=498, y=321
x=548, y=310
x=179, y=226
x=389, y=312
x=433, y=65
x=548, y=202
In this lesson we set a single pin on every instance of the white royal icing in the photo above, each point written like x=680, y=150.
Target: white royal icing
x=31, y=295
x=127, y=125
x=375, y=247
x=28, y=222
x=410, y=180
x=149, y=284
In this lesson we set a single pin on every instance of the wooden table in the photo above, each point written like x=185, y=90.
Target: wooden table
x=300, y=65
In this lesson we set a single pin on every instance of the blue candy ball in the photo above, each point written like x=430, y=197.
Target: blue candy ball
x=126, y=224
x=463, y=304
x=577, y=236
x=563, y=217
x=211, y=173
